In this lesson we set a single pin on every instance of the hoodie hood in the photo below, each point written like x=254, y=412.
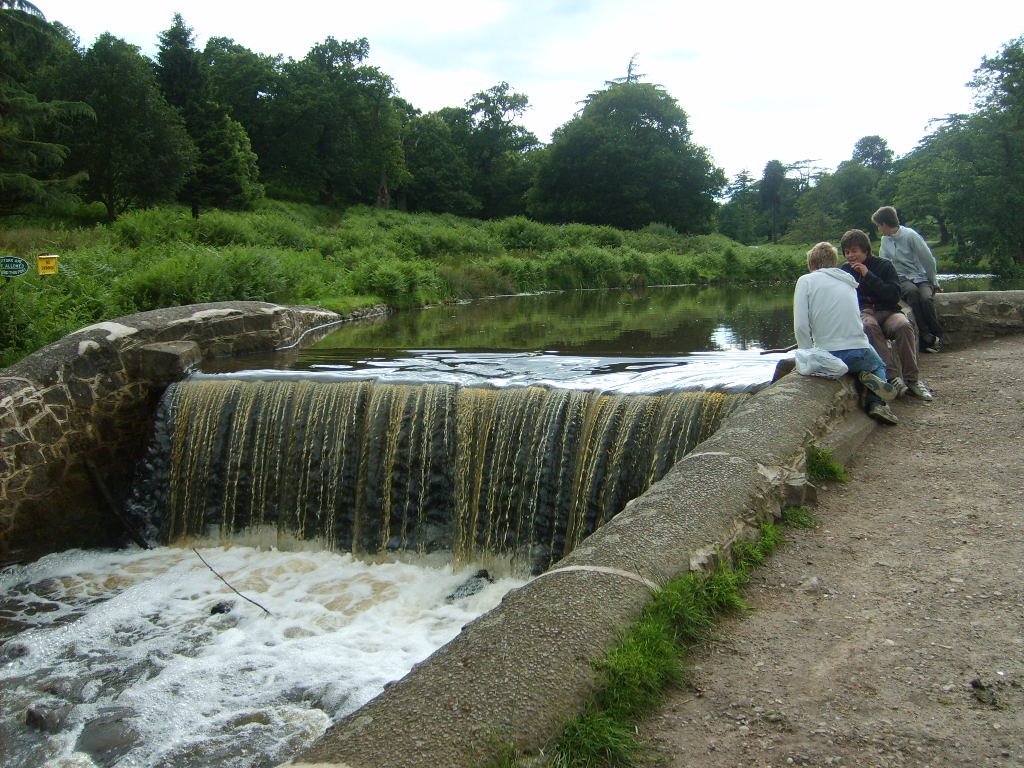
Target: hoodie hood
x=840, y=275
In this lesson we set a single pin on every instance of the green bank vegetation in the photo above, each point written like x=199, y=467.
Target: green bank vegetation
x=294, y=253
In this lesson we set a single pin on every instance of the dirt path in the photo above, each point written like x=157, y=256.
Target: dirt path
x=893, y=634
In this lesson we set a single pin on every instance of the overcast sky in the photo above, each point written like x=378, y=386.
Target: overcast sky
x=760, y=81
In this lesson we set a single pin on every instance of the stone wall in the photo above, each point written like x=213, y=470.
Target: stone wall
x=972, y=315
x=76, y=415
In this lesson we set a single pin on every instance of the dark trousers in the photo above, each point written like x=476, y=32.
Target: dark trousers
x=920, y=297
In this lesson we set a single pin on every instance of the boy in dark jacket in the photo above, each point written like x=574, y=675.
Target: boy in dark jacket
x=878, y=292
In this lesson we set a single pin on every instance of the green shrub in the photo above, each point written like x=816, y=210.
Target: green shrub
x=153, y=226
x=281, y=230
x=659, y=229
x=821, y=465
x=221, y=228
x=518, y=233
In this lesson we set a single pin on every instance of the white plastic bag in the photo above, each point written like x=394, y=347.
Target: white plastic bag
x=819, y=362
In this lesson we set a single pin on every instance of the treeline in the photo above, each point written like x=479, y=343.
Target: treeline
x=221, y=127
x=962, y=186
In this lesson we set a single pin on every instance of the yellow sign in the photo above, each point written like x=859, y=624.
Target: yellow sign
x=47, y=263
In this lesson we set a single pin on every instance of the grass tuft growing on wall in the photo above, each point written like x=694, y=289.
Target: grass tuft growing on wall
x=649, y=658
x=821, y=466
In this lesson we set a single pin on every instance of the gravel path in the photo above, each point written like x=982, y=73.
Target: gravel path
x=893, y=633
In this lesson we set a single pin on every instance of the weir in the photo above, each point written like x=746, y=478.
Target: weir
x=521, y=472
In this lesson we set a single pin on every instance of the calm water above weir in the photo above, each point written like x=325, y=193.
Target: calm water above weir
x=664, y=338
x=679, y=337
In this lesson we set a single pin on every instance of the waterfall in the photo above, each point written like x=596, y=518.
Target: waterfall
x=369, y=467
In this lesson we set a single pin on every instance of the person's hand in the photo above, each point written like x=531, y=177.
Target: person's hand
x=859, y=267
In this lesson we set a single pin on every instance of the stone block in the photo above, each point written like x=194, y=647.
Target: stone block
x=163, y=362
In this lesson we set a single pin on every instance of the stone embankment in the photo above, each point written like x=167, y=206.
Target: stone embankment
x=76, y=415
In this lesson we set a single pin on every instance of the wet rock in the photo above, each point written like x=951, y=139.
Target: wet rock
x=46, y=717
x=108, y=737
x=470, y=586
x=14, y=650
x=224, y=606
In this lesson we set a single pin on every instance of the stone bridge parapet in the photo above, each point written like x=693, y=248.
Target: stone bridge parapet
x=76, y=415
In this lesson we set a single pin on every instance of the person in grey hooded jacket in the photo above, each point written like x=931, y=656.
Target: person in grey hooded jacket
x=826, y=315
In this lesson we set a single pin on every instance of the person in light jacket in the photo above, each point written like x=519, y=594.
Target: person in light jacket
x=826, y=315
x=915, y=265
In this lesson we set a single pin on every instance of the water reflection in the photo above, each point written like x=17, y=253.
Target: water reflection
x=672, y=337
x=678, y=337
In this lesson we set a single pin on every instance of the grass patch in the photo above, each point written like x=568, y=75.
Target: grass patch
x=799, y=517
x=821, y=465
x=649, y=659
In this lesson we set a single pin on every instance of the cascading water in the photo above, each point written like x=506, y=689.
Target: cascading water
x=370, y=468
x=150, y=658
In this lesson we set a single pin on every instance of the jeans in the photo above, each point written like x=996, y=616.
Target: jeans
x=863, y=359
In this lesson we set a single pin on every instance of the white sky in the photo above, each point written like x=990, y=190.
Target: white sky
x=790, y=80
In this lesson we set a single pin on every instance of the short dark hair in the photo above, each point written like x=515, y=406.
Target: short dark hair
x=854, y=238
x=886, y=215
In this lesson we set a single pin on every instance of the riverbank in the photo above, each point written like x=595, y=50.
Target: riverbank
x=893, y=633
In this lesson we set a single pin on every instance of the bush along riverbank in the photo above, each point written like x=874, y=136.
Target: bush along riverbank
x=340, y=260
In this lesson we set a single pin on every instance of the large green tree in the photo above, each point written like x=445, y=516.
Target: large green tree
x=440, y=176
x=336, y=129
x=496, y=147
x=627, y=160
x=137, y=153
x=244, y=82
x=31, y=152
x=226, y=174
x=969, y=172
x=738, y=217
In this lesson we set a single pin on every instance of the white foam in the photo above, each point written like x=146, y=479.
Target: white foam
x=195, y=681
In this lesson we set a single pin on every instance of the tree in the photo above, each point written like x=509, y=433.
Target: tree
x=738, y=218
x=873, y=152
x=226, y=174
x=31, y=154
x=497, y=149
x=137, y=153
x=773, y=187
x=440, y=176
x=336, y=128
x=245, y=83
x=969, y=172
x=627, y=160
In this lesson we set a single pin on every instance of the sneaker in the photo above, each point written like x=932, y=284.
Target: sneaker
x=880, y=387
x=918, y=389
x=882, y=413
x=899, y=385
x=934, y=347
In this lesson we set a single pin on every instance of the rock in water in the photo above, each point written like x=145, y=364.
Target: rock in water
x=470, y=586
